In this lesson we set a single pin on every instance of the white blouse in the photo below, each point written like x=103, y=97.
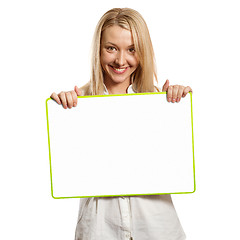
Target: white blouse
x=150, y=217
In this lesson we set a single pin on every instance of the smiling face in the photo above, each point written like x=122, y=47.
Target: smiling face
x=118, y=57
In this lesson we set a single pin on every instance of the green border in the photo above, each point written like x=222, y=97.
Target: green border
x=121, y=194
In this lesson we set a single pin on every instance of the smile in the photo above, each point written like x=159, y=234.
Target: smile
x=119, y=70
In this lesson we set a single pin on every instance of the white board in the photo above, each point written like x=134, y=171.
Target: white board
x=116, y=145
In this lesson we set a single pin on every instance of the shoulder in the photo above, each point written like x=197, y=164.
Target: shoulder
x=86, y=89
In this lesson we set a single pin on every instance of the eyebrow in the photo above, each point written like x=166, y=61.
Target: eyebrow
x=117, y=46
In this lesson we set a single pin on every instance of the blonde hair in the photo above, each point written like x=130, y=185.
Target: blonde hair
x=143, y=77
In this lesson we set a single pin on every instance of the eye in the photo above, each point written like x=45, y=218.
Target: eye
x=111, y=48
x=132, y=50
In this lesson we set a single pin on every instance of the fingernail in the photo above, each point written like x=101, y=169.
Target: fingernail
x=74, y=104
x=169, y=99
x=174, y=100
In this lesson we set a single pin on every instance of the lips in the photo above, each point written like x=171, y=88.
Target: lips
x=119, y=70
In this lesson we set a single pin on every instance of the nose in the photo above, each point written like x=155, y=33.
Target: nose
x=120, y=59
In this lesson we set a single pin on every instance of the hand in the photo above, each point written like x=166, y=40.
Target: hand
x=175, y=92
x=67, y=99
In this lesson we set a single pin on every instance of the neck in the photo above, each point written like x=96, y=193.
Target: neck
x=117, y=88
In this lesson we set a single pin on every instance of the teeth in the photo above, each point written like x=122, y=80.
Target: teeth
x=119, y=69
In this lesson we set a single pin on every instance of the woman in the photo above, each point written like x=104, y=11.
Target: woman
x=123, y=62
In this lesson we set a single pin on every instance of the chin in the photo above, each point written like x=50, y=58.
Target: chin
x=119, y=80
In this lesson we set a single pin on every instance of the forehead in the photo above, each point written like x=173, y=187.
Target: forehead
x=117, y=35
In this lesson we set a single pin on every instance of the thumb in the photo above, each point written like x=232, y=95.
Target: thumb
x=165, y=86
x=77, y=90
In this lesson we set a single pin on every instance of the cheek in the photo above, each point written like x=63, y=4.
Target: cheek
x=134, y=61
x=135, y=64
x=106, y=58
x=103, y=61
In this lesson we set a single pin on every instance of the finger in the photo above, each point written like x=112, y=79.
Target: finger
x=165, y=86
x=74, y=98
x=175, y=93
x=78, y=91
x=55, y=97
x=69, y=99
x=180, y=93
x=62, y=96
x=186, y=91
x=169, y=93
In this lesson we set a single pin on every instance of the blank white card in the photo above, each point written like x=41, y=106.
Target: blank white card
x=116, y=145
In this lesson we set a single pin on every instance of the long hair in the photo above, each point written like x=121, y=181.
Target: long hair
x=143, y=77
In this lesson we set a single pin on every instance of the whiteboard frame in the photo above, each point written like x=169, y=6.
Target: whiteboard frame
x=97, y=96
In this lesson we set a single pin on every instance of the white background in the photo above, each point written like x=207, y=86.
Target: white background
x=44, y=47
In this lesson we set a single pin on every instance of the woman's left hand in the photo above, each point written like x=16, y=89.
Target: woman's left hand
x=175, y=92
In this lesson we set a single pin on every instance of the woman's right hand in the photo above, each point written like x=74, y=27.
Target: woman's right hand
x=67, y=99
